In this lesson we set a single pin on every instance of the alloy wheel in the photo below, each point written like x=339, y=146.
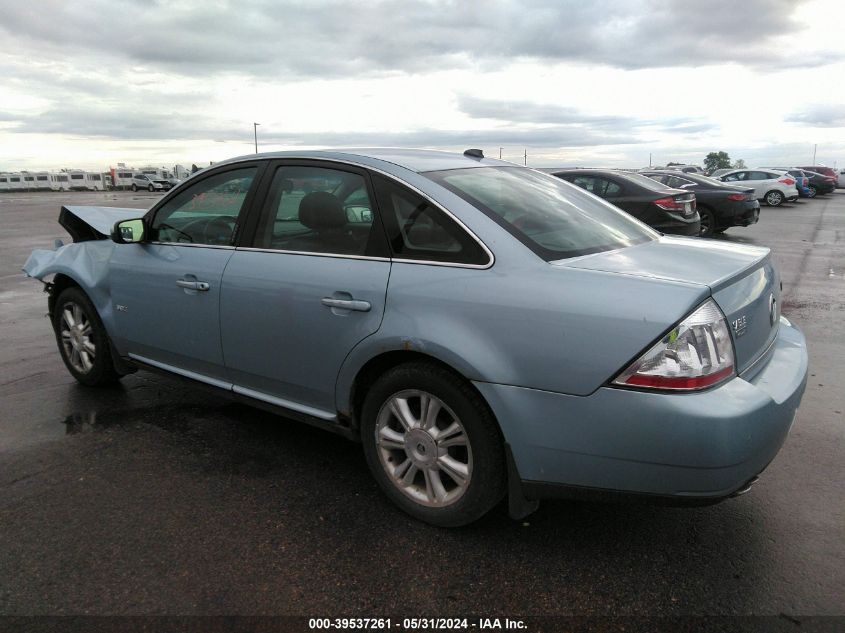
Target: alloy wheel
x=424, y=448
x=77, y=338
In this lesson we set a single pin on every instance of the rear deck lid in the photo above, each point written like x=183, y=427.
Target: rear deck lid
x=742, y=280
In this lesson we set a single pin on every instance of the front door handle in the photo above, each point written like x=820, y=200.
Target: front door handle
x=347, y=304
x=192, y=285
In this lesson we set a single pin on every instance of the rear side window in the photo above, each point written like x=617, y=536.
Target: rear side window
x=551, y=217
x=420, y=231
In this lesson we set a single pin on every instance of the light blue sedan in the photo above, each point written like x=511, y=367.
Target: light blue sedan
x=483, y=330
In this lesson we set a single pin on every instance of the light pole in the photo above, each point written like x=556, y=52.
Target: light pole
x=255, y=131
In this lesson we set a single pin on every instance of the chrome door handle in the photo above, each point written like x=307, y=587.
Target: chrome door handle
x=192, y=285
x=347, y=304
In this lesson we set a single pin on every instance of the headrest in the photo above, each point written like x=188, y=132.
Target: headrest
x=320, y=210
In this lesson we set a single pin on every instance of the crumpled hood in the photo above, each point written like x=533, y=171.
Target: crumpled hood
x=686, y=260
x=79, y=221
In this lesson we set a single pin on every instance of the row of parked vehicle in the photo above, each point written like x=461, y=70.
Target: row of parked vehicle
x=683, y=202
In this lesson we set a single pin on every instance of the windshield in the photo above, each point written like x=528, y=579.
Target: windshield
x=553, y=218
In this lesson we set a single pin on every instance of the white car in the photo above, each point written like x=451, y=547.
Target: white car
x=771, y=186
x=840, y=179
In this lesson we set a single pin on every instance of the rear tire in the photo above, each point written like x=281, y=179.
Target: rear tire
x=83, y=340
x=134, y=187
x=708, y=222
x=812, y=192
x=432, y=445
x=774, y=198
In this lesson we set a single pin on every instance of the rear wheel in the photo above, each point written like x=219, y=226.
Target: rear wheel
x=83, y=341
x=134, y=187
x=432, y=445
x=812, y=192
x=708, y=222
x=774, y=198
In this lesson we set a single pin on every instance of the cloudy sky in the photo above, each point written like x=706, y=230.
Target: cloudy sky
x=587, y=82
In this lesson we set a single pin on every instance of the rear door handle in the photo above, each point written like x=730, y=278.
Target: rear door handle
x=347, y=304
x=192, y=285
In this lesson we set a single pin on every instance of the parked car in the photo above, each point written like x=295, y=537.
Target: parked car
x=820, y=169
x=820, y=184
x=688, y=169
x=840, y=179
x=802, y=180
x=143, y=181
x=773, y=187
x=720, y=172
x=719, y=205
x=483, y=329
x=667, y=210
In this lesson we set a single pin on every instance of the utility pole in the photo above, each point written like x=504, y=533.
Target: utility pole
x=815, y=147
x=255, y=131
x=500, y=153
x=649, y=159
x=525, y=158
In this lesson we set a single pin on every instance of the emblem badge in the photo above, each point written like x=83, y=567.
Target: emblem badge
x=739, y=325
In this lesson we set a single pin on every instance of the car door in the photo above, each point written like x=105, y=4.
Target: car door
x=166, y=289
x=305, y=287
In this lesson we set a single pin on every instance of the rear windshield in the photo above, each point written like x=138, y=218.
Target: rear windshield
x=553, y=218
x=644, y=181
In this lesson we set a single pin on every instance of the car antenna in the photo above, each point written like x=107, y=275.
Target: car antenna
x=474, y=153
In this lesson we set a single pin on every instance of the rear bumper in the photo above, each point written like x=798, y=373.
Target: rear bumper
x=697, y=448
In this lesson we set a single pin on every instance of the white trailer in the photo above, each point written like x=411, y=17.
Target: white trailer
x=15, y=181
x=122, y=177
x=59, y=181
x=4, y=181
x=42, y=180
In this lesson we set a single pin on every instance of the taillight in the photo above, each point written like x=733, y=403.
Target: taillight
x=696, y=354
x=738, y=197
x=670, y=204
x=787, y=181
x=829, y=179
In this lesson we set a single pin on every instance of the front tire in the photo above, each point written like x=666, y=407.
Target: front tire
x=708, y=222
x=82, y=339
x=774, y=198
x=134, y=187
x=432, y=445
x=151, y=188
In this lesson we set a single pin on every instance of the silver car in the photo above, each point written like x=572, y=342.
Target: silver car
x=484, y=330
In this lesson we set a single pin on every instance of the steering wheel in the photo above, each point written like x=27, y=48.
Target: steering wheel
x=217, y=230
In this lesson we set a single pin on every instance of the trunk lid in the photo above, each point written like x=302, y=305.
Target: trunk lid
x=742, y=280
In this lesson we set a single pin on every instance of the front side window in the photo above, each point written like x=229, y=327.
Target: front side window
x=205, y=213
x=548, y=215
x=313, y=209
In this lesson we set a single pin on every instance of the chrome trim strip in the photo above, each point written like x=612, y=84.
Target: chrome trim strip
x=766, y=355
x=287, y=404
x=336, y=255
x=221, y=247
x=182, y=372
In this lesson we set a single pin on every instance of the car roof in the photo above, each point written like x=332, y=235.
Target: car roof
x=417, y=160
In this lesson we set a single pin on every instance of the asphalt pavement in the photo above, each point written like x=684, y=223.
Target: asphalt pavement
x=158, y=497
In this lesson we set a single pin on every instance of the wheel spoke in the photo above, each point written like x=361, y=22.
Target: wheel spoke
x=77, y=314
x=401, y=469
x=410, y=475
x=456, y=470
x=450, y=430
x=89, y=347
x=74, y=358
x=399, y=407
x=429, y=408
x=66, y=336
x=390, y=439
x=434, y=485
x=67, y=316
x=86, y=360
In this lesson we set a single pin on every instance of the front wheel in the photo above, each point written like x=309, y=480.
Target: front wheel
x=151, y=188
x=774, y=198
x=83, y=341
x=134, y=187
x=433, y=445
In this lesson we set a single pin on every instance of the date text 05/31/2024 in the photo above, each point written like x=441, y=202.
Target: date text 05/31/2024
x=415, y=624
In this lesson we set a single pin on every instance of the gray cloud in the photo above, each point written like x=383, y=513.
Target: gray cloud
x=517, y=112
x=820, y=115
x=340, y=37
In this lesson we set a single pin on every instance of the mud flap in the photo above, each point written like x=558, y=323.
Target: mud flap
x=519, y=506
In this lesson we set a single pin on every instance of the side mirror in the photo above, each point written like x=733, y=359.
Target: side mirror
x=129, y=232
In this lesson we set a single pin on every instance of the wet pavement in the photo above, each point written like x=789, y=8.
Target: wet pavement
x=158, y=497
